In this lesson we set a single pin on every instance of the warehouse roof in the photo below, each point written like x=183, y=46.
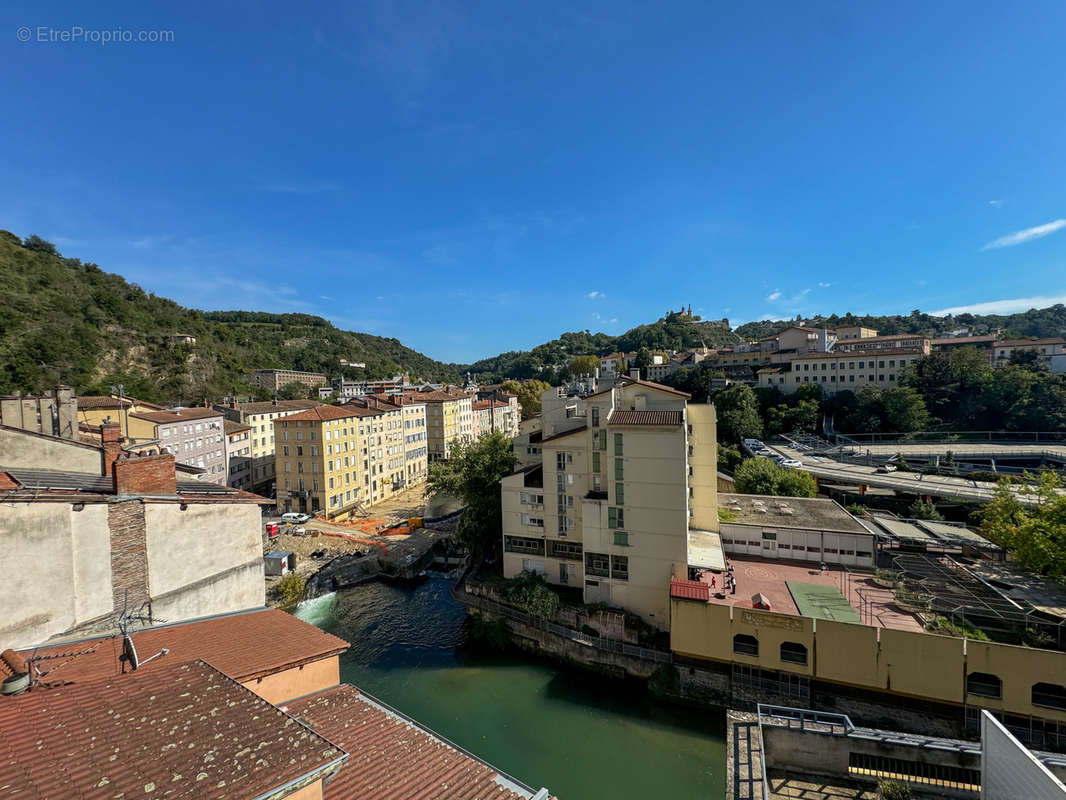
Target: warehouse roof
x=809, y=513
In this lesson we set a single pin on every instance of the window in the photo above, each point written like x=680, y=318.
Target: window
x=984, y=684
x=619, y=494
x=567, y=550
x=603, y=440
x=619, y=470
x=523, y=544
x=533, y=522
x=745, y=645
x=621, y=539
x=597, y=564
x=620, y=568
x=595, y=416
x=793, y=653
x=618, y=444
x=1049, y=695
x=562, y=459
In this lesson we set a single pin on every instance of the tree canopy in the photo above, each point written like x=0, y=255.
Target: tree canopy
x=472, y=474
x=738, y=413
x=763, y=476
x=1037, y=535
x=528, y=393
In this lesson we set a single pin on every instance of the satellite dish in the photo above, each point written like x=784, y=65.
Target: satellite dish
x=129, y=654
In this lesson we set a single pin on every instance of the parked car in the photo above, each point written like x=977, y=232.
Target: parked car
x=295, y=517
x=884, y=469
x=791, y=463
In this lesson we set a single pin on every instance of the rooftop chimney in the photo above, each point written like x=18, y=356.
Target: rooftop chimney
x=145, y=475
x=111, y=441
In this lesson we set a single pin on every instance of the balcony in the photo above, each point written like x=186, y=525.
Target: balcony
x=594, y=494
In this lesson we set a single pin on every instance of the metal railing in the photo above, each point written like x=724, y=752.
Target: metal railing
x=804, y=719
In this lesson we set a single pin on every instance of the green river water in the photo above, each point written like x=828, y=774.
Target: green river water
x=578, y=734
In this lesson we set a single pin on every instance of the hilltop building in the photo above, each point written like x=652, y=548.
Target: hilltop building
x=274, y=379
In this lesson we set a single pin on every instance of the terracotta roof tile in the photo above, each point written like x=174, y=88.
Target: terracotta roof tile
x=393, y=758
x=91, y=401
x=645, y=418
x=185, y=730
x=690, y=590
x=270, y=406
x=243, y=646
x=177, y=415
x=323, y=413
x=231, y=427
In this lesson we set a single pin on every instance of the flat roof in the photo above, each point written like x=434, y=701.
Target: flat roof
x=804, y=513
x=705, y=550
x=874, y=604
x=1043, y=594
x=958, y=534
x=904, y=530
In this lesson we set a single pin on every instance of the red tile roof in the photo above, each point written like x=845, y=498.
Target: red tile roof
x=323, y=413
x=182, y=731
x=231, y=427
x=176, y=415
x=243, y=646
x=437, y=396
x=661, y=387
x=1024, y=342
x=645, y=418
x=271, y=406
x=392, y=758
x=690, y=590
x=91, y=401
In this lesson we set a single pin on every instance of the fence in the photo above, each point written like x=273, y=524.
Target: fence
x=597, y=642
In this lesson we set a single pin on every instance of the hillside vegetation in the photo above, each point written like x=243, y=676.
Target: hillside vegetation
x=1038, y=322
x=70, y=322
x=672, y=332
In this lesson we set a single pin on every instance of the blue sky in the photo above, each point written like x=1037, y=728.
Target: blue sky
x=476, y=177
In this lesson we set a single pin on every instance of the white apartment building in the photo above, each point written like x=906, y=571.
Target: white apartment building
x=837, y=372
x=623, y=497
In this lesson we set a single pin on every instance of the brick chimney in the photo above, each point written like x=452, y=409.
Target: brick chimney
x=111, y=440
x=141, y=475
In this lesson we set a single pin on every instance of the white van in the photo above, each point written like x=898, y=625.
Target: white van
x=292, y=516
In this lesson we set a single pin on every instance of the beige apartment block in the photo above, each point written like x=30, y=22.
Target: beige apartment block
x=260, y=418
x=625, y=487
x=274, y=379
x=838, y=371
x=449, y=419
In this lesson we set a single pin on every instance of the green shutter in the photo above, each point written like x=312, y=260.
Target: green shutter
x=621, y=539
x=618, y=469
x=612, y=517
x=603, y=440
x=618, y=444
x=595, y=461
x=619, y=494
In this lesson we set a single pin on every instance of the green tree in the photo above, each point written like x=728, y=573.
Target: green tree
x=738, y=413
x=763, y=476
x=295, y=391
x=643, y=361
x=528, y=393
x=903, y=410
x=529, y=591
x=472, y=474
x=1036, y=535
x=583, y=365
x=920, y=509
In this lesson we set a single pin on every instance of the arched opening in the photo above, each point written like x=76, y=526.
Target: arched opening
x=1049, y=695
x=794, y=653
x=984, y=684
x=745, y=645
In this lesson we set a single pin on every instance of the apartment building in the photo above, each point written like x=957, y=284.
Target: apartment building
x=799, y=339
x=876, y=344
x=260, y=418
x=841, y=371
x=449, y=419
x=99, y=410
x=1044, y=349
x=238, y=454
x=53, y=413
x=625, y=490
x=194, y=436
x=349, y=388
x=949, y=343
x=853, y=332
x=336, y=460
x=274, y=379
x=493, y=414
x=415, y=438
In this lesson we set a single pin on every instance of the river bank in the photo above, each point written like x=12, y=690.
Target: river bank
x=578, y=733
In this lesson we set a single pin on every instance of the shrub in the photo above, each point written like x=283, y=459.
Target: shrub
x=529, y=591
x=892, y=790
x=725, y=515
x=945, y=626
x=291, y=588
x=856, y=509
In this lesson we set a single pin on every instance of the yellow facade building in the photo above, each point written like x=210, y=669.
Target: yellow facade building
x=449, y=419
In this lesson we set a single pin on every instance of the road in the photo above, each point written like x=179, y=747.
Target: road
x=911, y=482
x=964, y=450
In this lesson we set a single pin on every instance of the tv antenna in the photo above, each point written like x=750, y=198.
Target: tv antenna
x=129, y=650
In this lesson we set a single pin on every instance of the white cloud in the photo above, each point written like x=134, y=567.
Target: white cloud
x=324, y=297
x=613, y=319
x=824, y=285
x=1027, y=235
x=996, y=203
x=1002, y=306
x=595, y=295
x=774, y=296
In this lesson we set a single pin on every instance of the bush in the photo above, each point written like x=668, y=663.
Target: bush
x=922, y=510
x=856, y=509
x=762, y=476
x=291, y=588
x=945, y=626
x=893, y=790
x=494, y=633
x=529, y=591
x=725, y=515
